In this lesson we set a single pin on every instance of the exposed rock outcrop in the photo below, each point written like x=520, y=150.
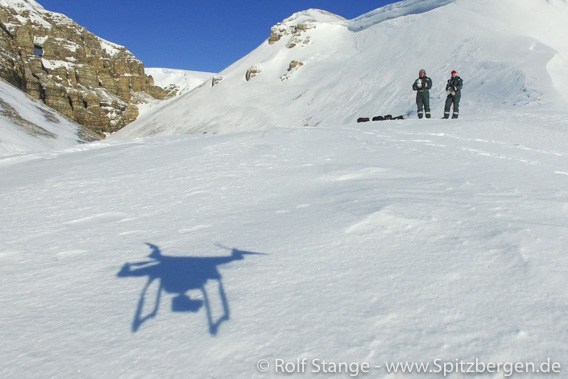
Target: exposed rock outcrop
x=294, y=64
x=295, y=27
x=292, y=67
x=89, y=80
x=216, y=80
x=280, y=30
x=253, y=71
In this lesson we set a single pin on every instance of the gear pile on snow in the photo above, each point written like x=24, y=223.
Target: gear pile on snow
x=380, y=118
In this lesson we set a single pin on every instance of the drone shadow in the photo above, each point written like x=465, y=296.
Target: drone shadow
x=178, y=275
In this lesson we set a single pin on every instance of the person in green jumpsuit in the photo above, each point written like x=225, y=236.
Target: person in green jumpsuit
x=422, y=87
x=453, y=89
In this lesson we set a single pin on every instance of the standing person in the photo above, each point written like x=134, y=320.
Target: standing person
x=453, y=89
x=422, y=87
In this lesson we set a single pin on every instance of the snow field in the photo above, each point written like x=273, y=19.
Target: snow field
x=388, y=241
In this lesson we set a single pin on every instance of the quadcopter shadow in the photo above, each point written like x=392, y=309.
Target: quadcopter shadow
x=178, y=275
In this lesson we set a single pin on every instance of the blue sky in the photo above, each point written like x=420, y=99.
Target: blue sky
x=199, y=35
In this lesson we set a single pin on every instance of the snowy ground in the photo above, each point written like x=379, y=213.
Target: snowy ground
x=391, y=241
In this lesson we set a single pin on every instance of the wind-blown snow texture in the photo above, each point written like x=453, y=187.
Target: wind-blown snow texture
x=391, y=241
x=199, y=256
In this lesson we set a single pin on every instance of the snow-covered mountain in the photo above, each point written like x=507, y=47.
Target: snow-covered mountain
x=509, y=53
x=175, y=82
x=28, y=125
x=178, y=81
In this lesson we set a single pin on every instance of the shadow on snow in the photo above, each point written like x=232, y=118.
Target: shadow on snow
x=178, y=275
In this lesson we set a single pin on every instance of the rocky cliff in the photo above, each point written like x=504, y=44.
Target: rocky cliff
x=91, y=81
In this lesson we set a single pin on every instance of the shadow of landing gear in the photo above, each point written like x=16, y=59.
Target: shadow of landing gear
x=178, y=275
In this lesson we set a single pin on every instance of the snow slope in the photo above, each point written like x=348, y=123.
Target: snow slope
x=183, y=80
x=28, y=126
x=394, y=241
x=177, y=82
x=509, y=54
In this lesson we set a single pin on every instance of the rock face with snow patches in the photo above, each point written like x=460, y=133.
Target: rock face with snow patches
x=91, y=81
x=28, y=126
